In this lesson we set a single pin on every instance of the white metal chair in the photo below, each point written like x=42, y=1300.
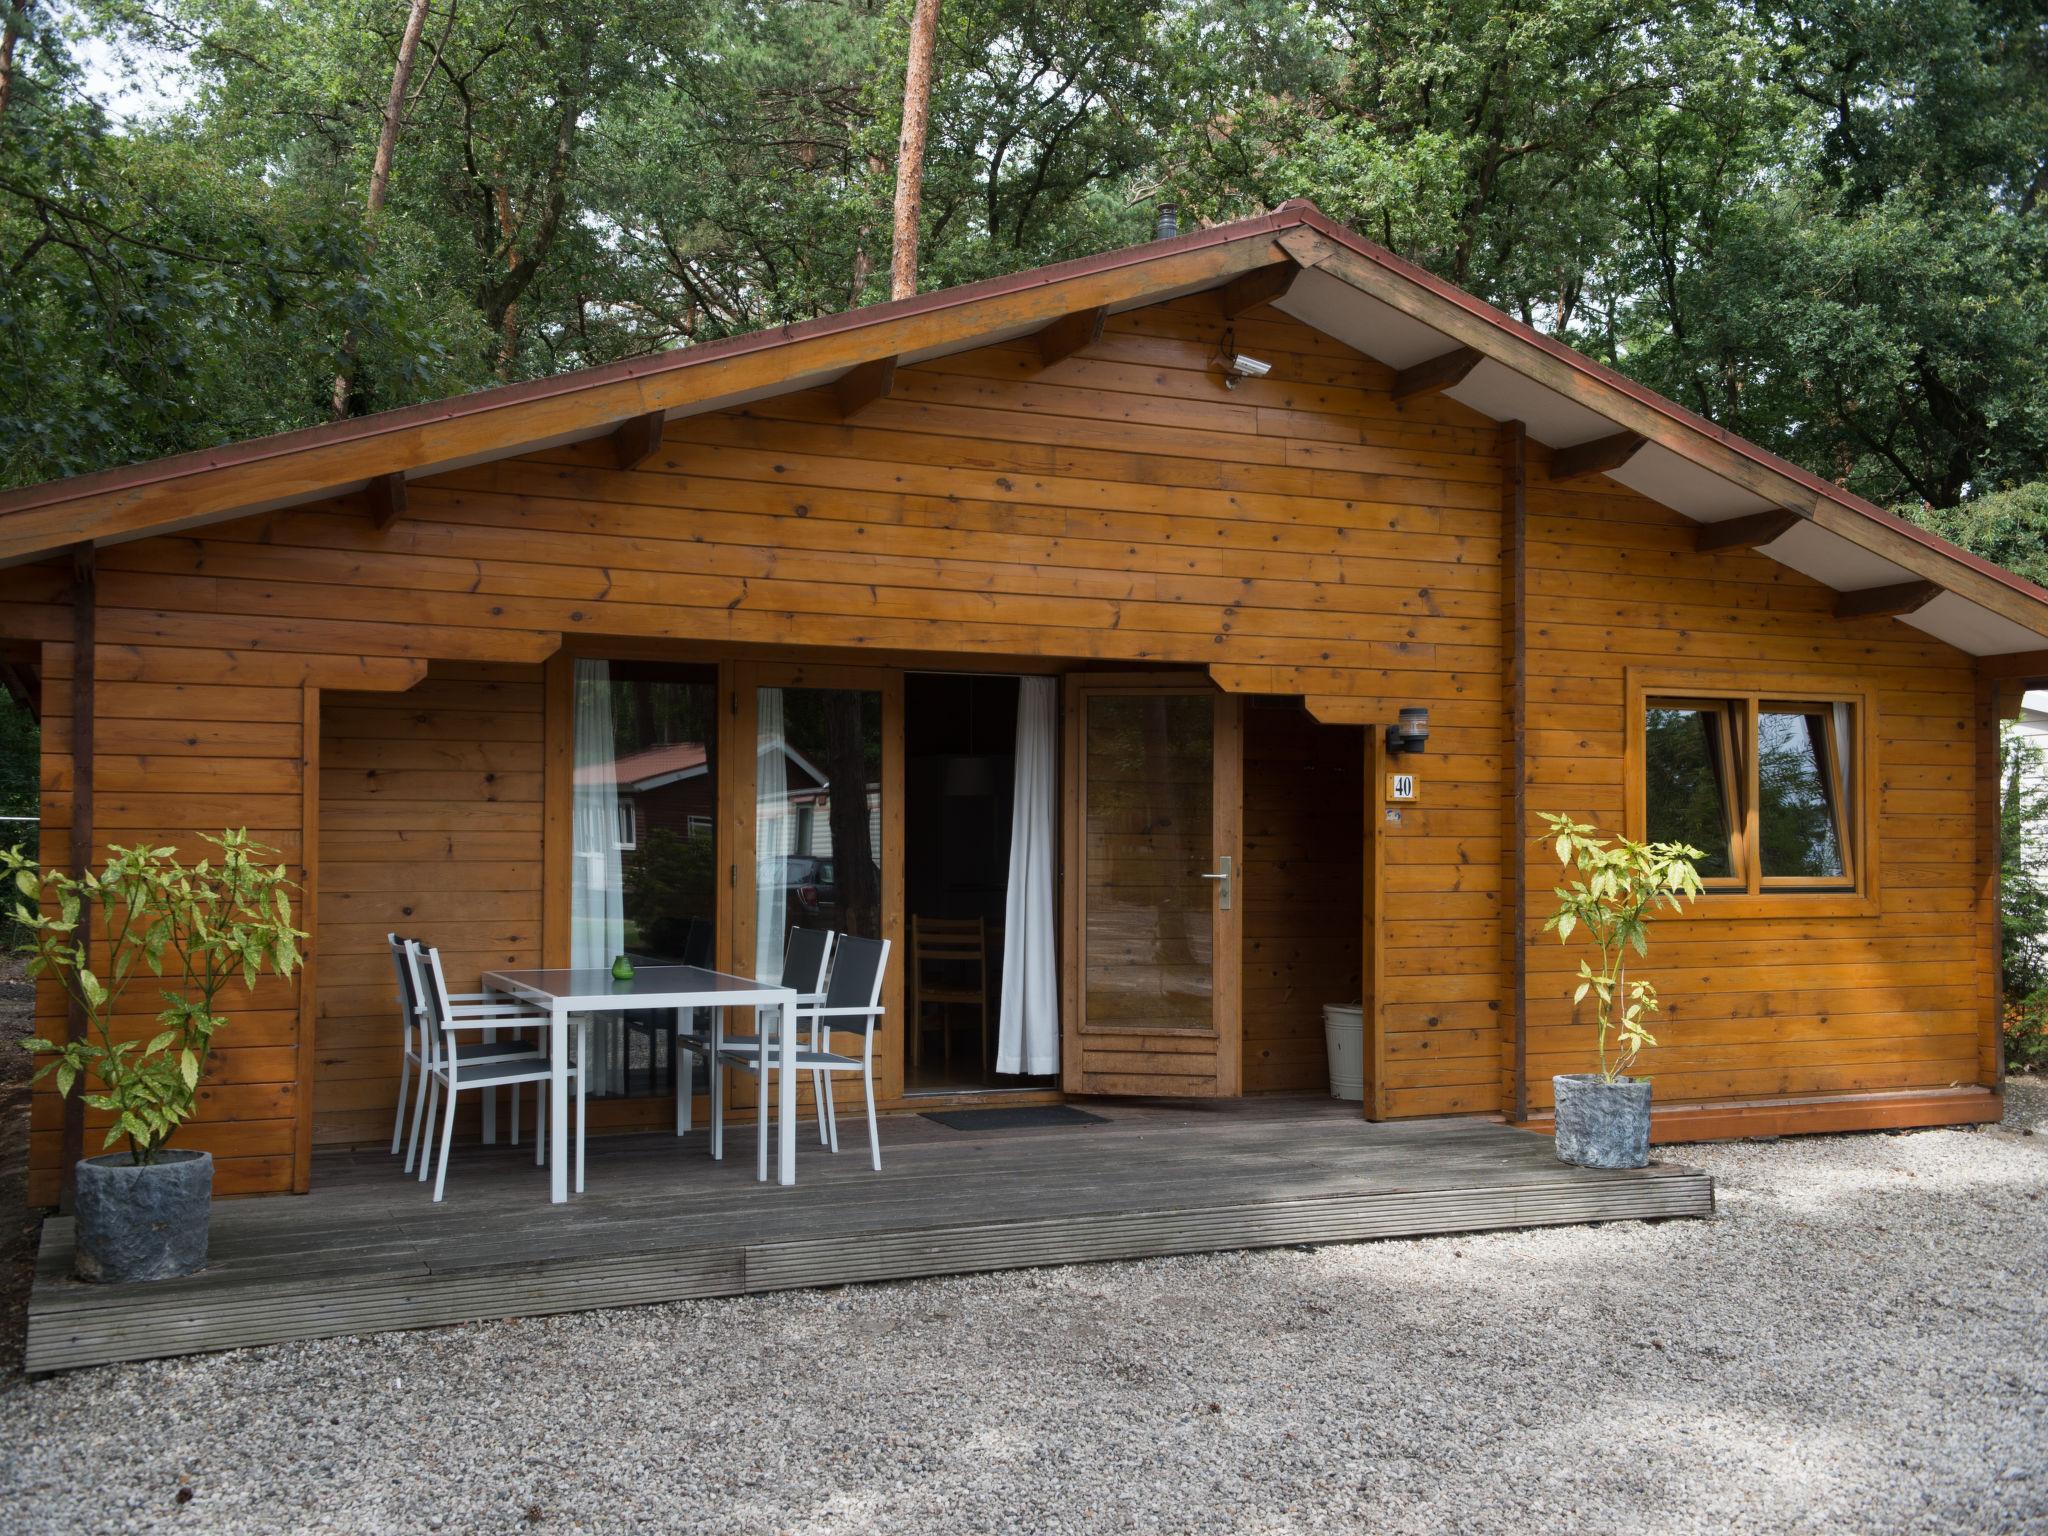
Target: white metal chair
x=806, y=958
x=448, y=1067
x=853, y=1000
x=413, y=1046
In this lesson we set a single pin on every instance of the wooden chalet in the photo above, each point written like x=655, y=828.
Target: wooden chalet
x=362, y=642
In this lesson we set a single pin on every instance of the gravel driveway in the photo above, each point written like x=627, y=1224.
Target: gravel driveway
x=1858, y=1342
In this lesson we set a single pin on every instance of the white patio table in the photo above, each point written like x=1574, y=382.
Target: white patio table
x=564, y=994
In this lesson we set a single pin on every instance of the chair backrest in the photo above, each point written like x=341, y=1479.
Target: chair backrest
x=697, y=942
x=431, y=987
x=857, y=977
x=947, y=941
x=408, y=994
x=806, y=957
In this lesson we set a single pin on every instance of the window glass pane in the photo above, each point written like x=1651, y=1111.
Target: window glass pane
x=1685, y=798
x=646, y=798
x=1797, y=833
x=818, y=817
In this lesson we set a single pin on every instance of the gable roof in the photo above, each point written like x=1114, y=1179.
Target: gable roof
x=1303, y=263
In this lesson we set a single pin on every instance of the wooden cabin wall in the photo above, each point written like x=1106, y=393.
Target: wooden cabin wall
x=1304, y=826
x=186, y=742
x=1784, y=1003
x=430, y=826
x=1303, y=535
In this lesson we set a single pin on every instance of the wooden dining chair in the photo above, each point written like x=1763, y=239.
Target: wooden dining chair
x=948, y=970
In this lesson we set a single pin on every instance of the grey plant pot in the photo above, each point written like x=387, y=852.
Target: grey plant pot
x=1601, y=1124
x=142, y=1223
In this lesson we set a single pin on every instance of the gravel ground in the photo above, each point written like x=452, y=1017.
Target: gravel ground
x=1858, y=1342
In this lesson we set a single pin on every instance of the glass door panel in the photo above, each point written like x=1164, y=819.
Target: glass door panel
x=1150, y=935
x=1155, y=780
x=817, y=816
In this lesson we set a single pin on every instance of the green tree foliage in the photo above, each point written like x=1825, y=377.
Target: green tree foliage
x=2023, y=872
x=2008, y=528
x=1821, y=225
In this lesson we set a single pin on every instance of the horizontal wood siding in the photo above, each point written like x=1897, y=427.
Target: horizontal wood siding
x=430, y=826
x=1302, y=535
x=185, y=745
x=1303, y=890
x=1785, y=1004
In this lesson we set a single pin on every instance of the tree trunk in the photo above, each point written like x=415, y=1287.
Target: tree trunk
x=380, y=174
x=10, y=44
x=917, y=102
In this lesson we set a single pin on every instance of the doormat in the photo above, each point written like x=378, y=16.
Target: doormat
x=1023, y=1117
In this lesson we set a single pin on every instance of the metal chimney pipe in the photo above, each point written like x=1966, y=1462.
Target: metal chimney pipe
x=1169, y=222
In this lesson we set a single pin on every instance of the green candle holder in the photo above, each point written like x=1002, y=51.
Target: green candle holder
x=622, y=969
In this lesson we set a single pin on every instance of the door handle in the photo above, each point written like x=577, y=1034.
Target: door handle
x=1221, y=873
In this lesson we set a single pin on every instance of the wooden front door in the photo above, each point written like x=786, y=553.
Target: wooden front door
x=1154, y=888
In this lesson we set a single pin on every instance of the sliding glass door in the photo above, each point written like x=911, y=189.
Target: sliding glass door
x=644, y=822
x=818, y=811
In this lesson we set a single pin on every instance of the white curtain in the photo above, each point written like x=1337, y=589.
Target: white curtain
x=597, y=911
x=1028, y=1039
x=597, y=917
x=771, y=837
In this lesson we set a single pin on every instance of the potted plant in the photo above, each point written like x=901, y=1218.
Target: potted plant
x=1603, y=1118
x=142, y=1214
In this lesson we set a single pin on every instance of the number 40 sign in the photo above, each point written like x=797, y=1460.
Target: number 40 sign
x=1401, y=787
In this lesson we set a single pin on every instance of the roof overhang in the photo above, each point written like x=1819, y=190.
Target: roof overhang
x=1342, y=285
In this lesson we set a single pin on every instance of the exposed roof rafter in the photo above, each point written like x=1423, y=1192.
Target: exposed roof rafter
x=1751, y=532
x=1437, y=374
x=1599, y=457
x=1893, y=602
x=637, y=440
x=386, y=495
x=860, y=387
x=1262, y=286
x=1069, y=334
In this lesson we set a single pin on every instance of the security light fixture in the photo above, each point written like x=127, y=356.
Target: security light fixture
x=1238, y=366
x=1411, y=734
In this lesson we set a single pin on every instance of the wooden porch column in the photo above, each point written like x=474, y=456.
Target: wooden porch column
x=84, y=662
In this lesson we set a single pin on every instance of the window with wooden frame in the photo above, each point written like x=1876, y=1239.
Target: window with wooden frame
x=1765, y=784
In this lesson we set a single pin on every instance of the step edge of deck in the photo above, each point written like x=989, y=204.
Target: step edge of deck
x=72, y=1337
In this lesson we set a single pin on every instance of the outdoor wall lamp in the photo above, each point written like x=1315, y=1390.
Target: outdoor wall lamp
x=1411, y=734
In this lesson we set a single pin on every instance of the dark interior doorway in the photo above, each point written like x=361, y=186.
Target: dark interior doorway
x=960, y=740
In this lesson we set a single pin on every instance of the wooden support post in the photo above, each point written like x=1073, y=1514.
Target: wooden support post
x=1437, y=374
x=858, y=388
x=1892, y=602
x=1514, y=655
x=308, y=916
x=638, y=440
x=1373, y=977
x=1601, y=456
x=1069, y=334
x=386, y=495
x=1990, y=789
x=1751, y=532
x=84, y=664
x=1262, y=285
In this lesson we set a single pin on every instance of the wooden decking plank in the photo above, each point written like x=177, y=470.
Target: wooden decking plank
x=368, y=1249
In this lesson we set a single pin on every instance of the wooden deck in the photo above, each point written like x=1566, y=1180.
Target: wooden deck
x=367, y=1250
